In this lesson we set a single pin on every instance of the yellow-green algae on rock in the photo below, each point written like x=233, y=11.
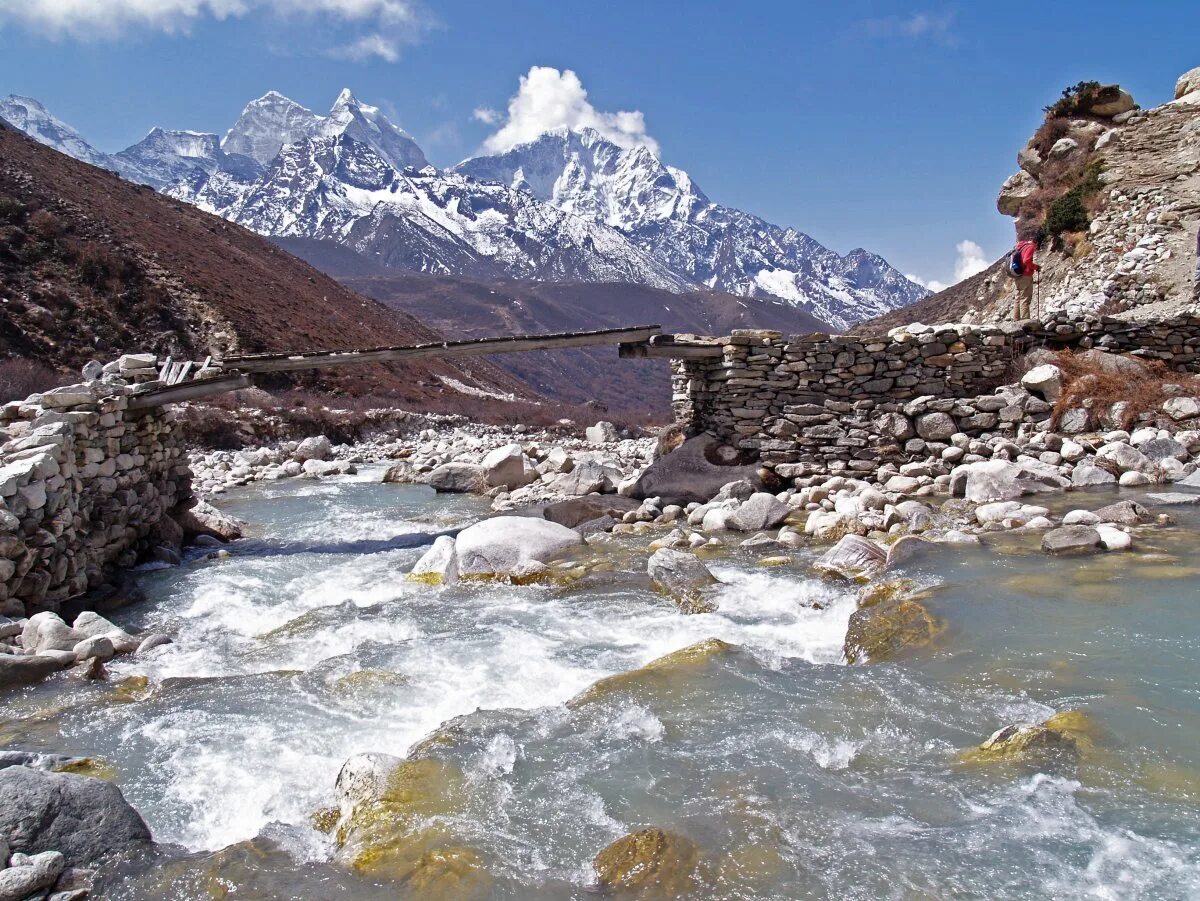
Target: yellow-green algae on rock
x=653, y=862
x=1062, y=738
x=89, y=766
x=394, y=833
x=661, y=675
x=889, y=618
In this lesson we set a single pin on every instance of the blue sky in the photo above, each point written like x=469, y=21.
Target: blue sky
x=883, y=125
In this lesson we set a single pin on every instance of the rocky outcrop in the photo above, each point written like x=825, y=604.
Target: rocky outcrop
x=693, y=472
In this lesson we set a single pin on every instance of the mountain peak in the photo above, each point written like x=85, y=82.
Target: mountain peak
x=30, y=116
x=346, y=98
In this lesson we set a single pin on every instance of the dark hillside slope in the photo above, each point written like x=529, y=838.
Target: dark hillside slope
x=463, y=308
x=92, y=266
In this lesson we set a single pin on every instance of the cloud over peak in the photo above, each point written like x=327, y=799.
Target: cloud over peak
x=548, y=98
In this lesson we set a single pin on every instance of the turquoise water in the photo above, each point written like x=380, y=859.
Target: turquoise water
x=793, y=774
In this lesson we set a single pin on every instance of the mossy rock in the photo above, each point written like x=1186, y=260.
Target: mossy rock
x=887, y=626
x=1061, y=739
x=386, y=834
x=882, y=592
x=660, y=674
x=325, y=819
x=366, y=680
x=134, y=688
x=89, y=766
x=653, y=862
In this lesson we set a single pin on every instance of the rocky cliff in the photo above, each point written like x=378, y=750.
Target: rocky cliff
x=1117, y=189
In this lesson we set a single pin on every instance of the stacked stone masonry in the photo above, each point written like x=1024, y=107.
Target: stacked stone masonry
x=85, y=485
x=822, y=403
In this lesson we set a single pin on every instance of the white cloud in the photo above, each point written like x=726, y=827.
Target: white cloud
x=366, y=47
x=548, y=98
x=391, y=22
x=937, y=27
x=970, y=260
x=486, y=115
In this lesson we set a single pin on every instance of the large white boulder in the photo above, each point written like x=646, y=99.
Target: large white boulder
x=318, y=447
x=505, y=468
x=505, y=545
x=439, y=565
x=1000, y=480
x=1045, y=380
x=456, y=478
x=601, y=433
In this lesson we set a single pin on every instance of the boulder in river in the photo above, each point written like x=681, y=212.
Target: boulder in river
x=504, y=467
x=30, y=876
x=888, y=620
x=83, y=818
x=456, y=478
x=853, y=557
x=694, y=471
x=1124, y=513
x=439, y=565
x=389, y=826
x=1072, y=540
x=22, y=669
x=1058, y=740
x=684, y=578
x=650, y=860
x=501, y=545
x=202, y=518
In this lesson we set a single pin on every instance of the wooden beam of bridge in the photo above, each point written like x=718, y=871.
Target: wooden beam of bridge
x=288, y=362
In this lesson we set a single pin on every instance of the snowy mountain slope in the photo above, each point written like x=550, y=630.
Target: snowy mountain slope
x=336, y=188
x=273, y=121
x=568, y=206
x=35, y=120
x=665, y=213
x=164, y=157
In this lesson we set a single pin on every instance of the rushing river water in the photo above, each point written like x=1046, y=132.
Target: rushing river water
x=798, y=776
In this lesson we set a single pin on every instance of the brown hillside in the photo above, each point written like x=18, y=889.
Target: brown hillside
x=462, y=308
x=92, y=266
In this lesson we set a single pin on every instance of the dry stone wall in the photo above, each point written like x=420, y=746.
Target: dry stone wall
x=85, y=486
x=829, y=403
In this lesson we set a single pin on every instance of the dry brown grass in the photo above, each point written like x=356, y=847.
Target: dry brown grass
x=20, y=378
x=1090, y=380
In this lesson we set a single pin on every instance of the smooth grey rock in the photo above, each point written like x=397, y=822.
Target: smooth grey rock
x=202, y=518
x=1070, y=540
x=684, y=578
x=36, y=873
x=1046, y=380
x=438, y=565
x=575, y=511
x=456, y=478
x=99, y=648
x=504, y=467
x=498, y=546
x=585, y=477
x=23, y=669
x=1172, y=499
x=936, y=426
x=83, y=818
x=1087, y=475
x=760, y=511
x=852, y=557
x=906, y=550
x=1159, y=449
x=317, y=447
x=693, y=472
x=46, y=631
x=152, y=641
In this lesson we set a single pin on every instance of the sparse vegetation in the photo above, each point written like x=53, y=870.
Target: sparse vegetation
x=1098, y=381
x=1072, y=212
x=1077, y=100
x=21, y=378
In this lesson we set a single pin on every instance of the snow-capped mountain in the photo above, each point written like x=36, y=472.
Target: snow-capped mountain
x=35, y=120
x=164, y=157
x=666, y=214
x=339, y=189
x=568, y=206
x=273, y=121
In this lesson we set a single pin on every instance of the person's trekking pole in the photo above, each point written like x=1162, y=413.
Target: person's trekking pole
x=1037, y=303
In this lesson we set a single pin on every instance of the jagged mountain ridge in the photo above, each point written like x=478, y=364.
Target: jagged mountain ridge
x=663, y=211
x=336, y=188
x=570, y=206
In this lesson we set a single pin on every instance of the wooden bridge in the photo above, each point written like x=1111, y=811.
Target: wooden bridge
x=182, y=381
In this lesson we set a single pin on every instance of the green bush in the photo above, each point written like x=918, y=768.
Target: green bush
x=1075, y=100
x=1067, y=214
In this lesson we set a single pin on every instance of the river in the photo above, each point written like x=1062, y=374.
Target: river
x=798, y=776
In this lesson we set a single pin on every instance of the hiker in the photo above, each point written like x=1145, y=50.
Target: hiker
x=1022, y=268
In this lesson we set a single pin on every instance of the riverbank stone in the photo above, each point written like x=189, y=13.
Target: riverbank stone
x=684, y=578
x=1072, y=540
x=85, y=819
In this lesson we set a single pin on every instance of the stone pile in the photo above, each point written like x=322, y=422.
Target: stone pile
x=85, y=484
